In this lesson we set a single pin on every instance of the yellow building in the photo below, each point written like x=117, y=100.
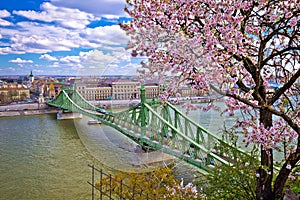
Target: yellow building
x=51, y=90
x=14, y=92
x=187, y=91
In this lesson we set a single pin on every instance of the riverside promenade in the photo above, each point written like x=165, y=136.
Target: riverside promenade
x=26, y=109
x=43, y=108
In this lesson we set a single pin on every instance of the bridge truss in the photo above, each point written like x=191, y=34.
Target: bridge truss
x=155, y=125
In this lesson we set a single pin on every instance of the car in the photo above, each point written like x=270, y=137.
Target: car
x=103, y=111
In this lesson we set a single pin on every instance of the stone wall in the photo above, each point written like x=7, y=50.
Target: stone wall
x=23, y=106
x=26, y=109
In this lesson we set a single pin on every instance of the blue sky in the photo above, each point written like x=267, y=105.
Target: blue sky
x=64, y=37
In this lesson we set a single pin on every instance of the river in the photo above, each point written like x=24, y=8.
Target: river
x=42, y=158
x=45, y=158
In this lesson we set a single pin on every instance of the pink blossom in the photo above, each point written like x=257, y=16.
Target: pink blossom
x=292, y=177
x=273, y=18
x=211, y=45
x=288, y=14
x=293, y=22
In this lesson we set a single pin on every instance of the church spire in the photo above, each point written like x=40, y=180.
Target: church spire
x=31, y=76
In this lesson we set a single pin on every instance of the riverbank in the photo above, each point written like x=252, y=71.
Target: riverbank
x=26, y=109
x=43, y=108
x=27, y=112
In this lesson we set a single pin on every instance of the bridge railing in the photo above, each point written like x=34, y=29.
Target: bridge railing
x=82, y=102
x=70, y=94
x=196, y=131
x=168, y=126
x=65, y=102
x=161, y=132
x=190, y=146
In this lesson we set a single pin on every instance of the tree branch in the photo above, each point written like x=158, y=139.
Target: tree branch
x=284, y=88
x=237, y=97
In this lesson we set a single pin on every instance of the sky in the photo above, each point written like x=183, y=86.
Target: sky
x=64, y=37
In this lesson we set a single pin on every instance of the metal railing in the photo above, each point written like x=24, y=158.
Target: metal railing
x=105, y=186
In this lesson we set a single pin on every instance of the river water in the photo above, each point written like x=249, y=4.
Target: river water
x=45, y=158
x=42, y=158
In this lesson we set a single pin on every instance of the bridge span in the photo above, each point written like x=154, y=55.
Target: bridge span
x=155, y=125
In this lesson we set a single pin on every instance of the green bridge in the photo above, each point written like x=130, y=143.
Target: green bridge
x=154, y=125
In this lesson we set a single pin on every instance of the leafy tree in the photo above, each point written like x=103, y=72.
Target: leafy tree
x=23, y=96
x=159, y=184
x=235, y=181
x=3, y=97
x=236, y=48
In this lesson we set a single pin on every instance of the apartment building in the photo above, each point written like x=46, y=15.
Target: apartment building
x=14, y=92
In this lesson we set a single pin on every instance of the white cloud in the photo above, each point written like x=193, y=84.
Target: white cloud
x=131, y=69
x=4, y=14
x=5, y=23
x=65, y=17
x=8, y=50
x=33, y=37
x=122, y=55
x=62, y=25
x=21, y=61
x=39, y=44
x=47, y=57
x=70, y=60
x=97, y=62
x=103, y=8
x=97, y=57
x=34, y=28
x=54, y=65
x=111, y=35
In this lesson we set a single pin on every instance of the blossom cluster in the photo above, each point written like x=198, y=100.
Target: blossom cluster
x=181, y=191
x=234, y=47
x=270, y=138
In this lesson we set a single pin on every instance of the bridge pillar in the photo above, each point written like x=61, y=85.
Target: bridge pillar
x=67, y=115
x=143, y=111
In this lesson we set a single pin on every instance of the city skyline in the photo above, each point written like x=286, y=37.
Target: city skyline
x=64, y=37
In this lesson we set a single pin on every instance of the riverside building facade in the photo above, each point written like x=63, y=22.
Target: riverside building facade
x=13, y=92
x=120, y=89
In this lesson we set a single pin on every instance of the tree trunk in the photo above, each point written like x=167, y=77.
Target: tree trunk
x=280, y=182
x=265, y=171
x=284, y=173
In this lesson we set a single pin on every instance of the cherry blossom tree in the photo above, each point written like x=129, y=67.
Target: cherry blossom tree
x=236, y=48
